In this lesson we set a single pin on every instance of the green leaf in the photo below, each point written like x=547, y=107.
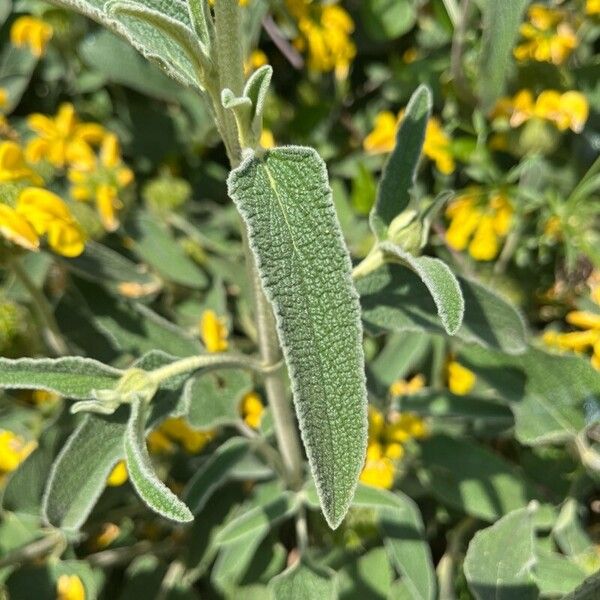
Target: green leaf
x=102, y=265
x=285, y=200
x=398, y=178
x=366, y=576
x=79, y=473
x=501, y=22
x=214, y=473
x=549, y=397
x=404, y=537
x=393, y=298
x=16, y=68
x=441, y=283
x=500, y=559
x=214, y=398
x=471, y=478
x=162, y=35
x=154, y=244
x=556, y=575
x=259, y=518
x=141, y=472
x=304, y=581
x=71, y=376
x=388, y=19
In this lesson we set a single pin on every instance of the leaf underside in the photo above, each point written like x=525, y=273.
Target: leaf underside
x=285, y=200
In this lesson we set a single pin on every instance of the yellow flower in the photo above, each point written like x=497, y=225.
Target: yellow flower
x=63, y=139
x=13, y=167
x=48, y=214
x=191, y=439
x=159, y=443
x=592, y=7
x=16, y=229
x=252, y=409
x=267, y=140
x=110, y=532
x=401, y=387
x=477, y=224
x=378, y=470
x=325, y=35
x=101, y=180
x=548, y=36
x=579, y=341
x=70, y=587
x=569, y=110
x=213, y=331
x=436, y=145
x=461, y=380
x=31, y=32
x=118, y=476
x=256, y=59
x=13, y=450
x=44, y=398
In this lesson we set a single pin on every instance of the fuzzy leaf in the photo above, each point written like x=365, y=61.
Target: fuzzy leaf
x=141, y=472
x=285, y=200
x=441, y=283
x=500, y=559
x=71, y=376
x=393, y=194
x=304, y=581
x=214, y=472
x=588, y=590
x=260, y=518
x=155, y=42
x=79, y=473
x=501, y=22
x=395, y=299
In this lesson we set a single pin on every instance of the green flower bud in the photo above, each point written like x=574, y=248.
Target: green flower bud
x=166, y=193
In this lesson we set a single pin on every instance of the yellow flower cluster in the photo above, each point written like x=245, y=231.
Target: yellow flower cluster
x=62, y=140
x=325, y=32
x=32, y=33
x=252, y=409
x=40, y=212
x=580, y=341
x=436, y=146
x=213, y=331
x=548, y=36
x=161, y=440
x=13, y=451
x=401, y=387
x=461, y=380
x=385, y=445
x=101, y=179
x=478, y=221
x=569, y=110
x=70, y=587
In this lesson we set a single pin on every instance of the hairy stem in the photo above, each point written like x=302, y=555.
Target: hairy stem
x=44, y=312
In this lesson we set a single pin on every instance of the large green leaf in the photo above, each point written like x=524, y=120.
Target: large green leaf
x=500, y=559
x=71, y=376
x=472, y=479
x=16, y=68
x=165, y=35
x=398, y=177
x=393, y=298
x=214, y=398
x=285, y=200
x=304, y=581
x=141, y=472
x=501, y=22
x=588, y=590
x=548, y=393
x=79, y=473
x=439, y=280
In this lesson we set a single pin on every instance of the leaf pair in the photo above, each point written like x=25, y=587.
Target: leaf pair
x=401, y=232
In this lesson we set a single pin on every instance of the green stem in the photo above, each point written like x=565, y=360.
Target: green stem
x=205, y=361
x=370, y=263
x=34, y=550
x=51, y=331
x=230, y=61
